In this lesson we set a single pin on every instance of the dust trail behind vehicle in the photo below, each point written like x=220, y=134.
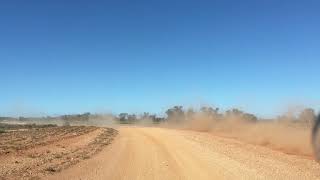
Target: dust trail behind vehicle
x=287, y=136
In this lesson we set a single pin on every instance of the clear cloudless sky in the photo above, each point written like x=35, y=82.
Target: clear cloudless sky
x=75, y=56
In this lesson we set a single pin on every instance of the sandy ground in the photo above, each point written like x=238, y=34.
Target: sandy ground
x=159, y=153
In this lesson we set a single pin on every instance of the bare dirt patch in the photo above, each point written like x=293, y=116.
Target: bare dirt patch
x=31, y=152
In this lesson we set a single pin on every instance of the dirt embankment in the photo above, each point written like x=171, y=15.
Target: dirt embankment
x=37, y=151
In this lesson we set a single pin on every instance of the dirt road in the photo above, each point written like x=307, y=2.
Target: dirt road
x=155, y=153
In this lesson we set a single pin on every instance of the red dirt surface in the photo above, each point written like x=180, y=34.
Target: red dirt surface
x=35, y=152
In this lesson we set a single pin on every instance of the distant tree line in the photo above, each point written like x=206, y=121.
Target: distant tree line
x=178, y=113
x=306, y=116
x=75, y=117
x=126, y=118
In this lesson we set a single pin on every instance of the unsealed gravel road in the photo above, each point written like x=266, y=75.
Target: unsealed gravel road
x=158, y=153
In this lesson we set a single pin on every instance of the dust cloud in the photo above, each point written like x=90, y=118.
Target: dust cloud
x=287, y=136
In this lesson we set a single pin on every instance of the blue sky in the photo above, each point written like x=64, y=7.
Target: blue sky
x=115, y=56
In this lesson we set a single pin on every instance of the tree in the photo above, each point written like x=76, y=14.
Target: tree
x=145, y=115
x=85, y=116
x=236, y=114
x=132, y=118
x=176, y=113
x=249, y=117
x=210, y=111
x=307, y=116
x=157, y=119
x=123, y=117
x=190, y=113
